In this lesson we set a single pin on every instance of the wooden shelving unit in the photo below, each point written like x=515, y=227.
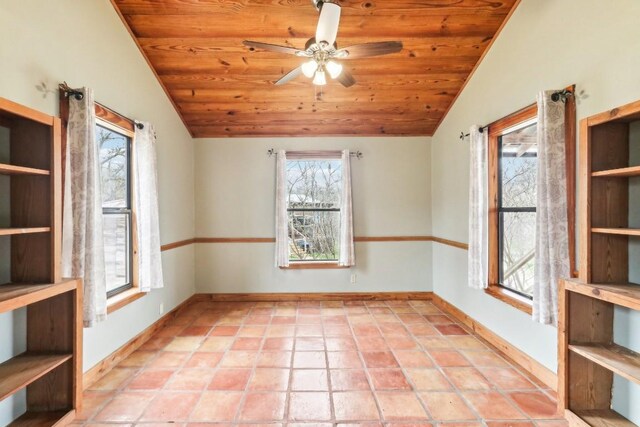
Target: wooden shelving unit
x=50, y=368
x=621, y=172
x=22, y=230
x=6, y=169
x=588, y=356
x=618, y=231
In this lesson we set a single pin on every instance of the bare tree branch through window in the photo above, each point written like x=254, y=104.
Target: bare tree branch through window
x=313, y=203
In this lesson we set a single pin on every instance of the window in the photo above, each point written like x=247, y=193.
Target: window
x=517, y=152
x=513, y=164
x=114, y=145
x=314, y=189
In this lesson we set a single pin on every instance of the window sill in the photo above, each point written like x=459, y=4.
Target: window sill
x=511, y=298
x=116, y=302
x=313, y=265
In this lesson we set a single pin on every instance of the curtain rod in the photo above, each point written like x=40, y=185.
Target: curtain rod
x=357, y=154
x=560, y=95
x=79, y=96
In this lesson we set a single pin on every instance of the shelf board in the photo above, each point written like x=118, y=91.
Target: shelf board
x=44, y=419
x=16, y=295
x=27, y=230
x=617, y=231
x=6, y=169
x=599, y=418
x=618, y=359
x=621, y=173
x=626, y=295
x=20, y=371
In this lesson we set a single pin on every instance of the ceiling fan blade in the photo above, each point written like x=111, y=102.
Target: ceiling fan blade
x=328, y=23
x=346, y=79
x=274, y=48
x=289, y=76
x=365, y=50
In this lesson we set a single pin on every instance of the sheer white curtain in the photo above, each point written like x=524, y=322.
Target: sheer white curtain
x=82, y=241
x=282, y=220
x=478, y=269
x=146, y=200
x=552, y=239
x=347, y=250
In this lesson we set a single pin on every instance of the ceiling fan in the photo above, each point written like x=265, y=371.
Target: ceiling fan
x=322, y=50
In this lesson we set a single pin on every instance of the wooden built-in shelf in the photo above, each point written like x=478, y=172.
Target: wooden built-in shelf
x=44, y=419
x=626, y=295
x=617, y=359
x=617, y=231
x=588, y=359
x=599, y=418
x=13, y=296
x=25, y=230
x=621, y=172
x=6, y=169
x=50, y=371
x=20, y=371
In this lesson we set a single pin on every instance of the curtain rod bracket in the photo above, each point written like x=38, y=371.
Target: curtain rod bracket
x=79, y=96
x=561, y=95
x=464, y=136
x=69, y=91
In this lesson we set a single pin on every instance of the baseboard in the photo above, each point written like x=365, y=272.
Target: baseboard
x=108, y=363
x=517, y=356
x=325, y=296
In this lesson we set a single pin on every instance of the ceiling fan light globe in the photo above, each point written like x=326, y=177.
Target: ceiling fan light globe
x=309, y=68
x=334, y=69
x=320, y=79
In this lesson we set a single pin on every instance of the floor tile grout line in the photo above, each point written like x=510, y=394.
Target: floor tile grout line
x=462, y=393
x=216, y=369
x=413, y=388
x=287, y=406
x=327, y=312
x=202, y=392
x=365, y=367
x=158, y=392
x=246, y=391
x=458, y=391
x=332, y=408
x=122, y=386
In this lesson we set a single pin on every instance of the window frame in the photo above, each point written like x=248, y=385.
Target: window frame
x=496, y=130
x=313, y=264
x=109, y=119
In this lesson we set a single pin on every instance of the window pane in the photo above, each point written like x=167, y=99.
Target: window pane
x=518, y=251
x=314, y=235
x=314, y=189
x=314, y=183
x=116, y=249
x=114, y=163
x=518, y=167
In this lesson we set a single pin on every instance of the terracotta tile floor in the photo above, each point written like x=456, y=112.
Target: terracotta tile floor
x=317, y=363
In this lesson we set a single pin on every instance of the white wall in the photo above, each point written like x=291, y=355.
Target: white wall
x=85, y=43
x=235, y=181
x=546, y=44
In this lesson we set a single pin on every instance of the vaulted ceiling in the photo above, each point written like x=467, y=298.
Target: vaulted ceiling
x=222, y=88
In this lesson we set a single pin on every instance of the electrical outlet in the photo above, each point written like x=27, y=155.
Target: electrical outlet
x=161, y=308
x=353, y=278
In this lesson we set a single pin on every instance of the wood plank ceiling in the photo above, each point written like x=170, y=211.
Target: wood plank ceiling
x=222, y=88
